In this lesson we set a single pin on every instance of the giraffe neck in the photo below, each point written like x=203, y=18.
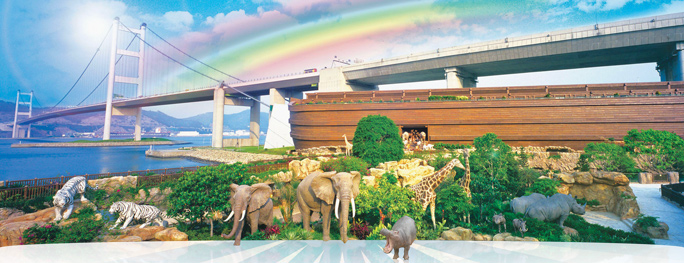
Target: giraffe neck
x=439, y=176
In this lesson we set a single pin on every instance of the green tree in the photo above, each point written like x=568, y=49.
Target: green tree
x=346, y=164
x=453, y=204
x=387, y=201
x=609, y=157
x=656, y=151
x=492, y=157
x=200, y=194
x=377, y=140
x=546, y=187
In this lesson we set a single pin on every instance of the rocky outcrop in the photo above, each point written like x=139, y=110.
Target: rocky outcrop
x=154, y=196
x=658, y=232
x=7, y=213
x=284, y=177
x=11, y=233
x=114, y=183
x=408, y=171
x=171, y=234
x=461, y=233
x=300, y=169
x=322, y=150
x=610, y=189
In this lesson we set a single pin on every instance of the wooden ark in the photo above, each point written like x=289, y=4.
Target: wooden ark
x=568, y=115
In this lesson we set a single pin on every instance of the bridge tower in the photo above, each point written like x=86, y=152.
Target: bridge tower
x=17, y=113
x=113, y=78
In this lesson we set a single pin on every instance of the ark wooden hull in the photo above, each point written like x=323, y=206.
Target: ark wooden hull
x=568, y=121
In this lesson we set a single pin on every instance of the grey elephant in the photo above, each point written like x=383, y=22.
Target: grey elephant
x=253, y=202
x=403, y=234
x=318, y=192
x=556, y=207
x=520, y=204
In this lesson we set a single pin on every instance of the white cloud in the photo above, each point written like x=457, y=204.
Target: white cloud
x=674, y=7
x=601, y=5
x=221, y=18
x=178, y=21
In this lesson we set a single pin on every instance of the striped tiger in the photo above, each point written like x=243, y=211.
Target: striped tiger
x=129, y=211
x=64, y=198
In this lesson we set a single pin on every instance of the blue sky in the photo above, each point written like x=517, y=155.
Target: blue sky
x=44, y=45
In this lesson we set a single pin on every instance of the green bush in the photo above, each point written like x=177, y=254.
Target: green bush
x=592, y=202
x=645, y=221
x=387, y=201
x=609, y=157
x=27, y=205
x=44, y=234
x=583, y=163
x=449, y=146
x=664, y=150
x=197, y=231
x=453, y=204
x=377, y=140
x=85, y=229
x=547, y=187
x=438, y=98
x=346, y=164
x=596, y=233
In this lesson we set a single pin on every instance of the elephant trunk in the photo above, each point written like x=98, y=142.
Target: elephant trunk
x=236, y=223
x=344, y=219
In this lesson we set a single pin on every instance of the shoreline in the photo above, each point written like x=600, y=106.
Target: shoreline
x=210, y=155
x=94, y=144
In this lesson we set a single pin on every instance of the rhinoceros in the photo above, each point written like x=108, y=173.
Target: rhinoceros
x=520, y=204
x=556, y=207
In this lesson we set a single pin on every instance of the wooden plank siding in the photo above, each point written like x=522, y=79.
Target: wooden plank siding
x=572, y=120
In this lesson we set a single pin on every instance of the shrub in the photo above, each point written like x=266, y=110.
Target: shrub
x=609, y=157
x=346, y=164
x=596, y=233
x=41, y=234
x=361, y=231
x=389, y=200
x=546, y=187
x=658, y=151
x=85, y=229
x=27, y=205
x=592, y=202
x=583, y=163
x=273, y=230
x=377, y=140
x=438, y=98
x=644, y=221
x=453, y=204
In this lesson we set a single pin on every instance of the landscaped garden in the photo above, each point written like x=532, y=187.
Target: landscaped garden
x=466, y=198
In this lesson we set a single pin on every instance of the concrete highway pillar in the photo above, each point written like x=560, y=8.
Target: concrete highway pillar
x=333, y=80
x=459, y=78
x=278, y=134
x=254, y=118
x=138, y=128
x=678, y=63
x=217, y=125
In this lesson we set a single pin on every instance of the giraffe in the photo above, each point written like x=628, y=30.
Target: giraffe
x=425, y=189
x=348, y=146
x=465, y=180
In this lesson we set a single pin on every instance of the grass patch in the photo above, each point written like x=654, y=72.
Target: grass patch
x=260, y=150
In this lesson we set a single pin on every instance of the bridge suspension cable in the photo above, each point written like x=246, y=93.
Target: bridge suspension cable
x=84, y=70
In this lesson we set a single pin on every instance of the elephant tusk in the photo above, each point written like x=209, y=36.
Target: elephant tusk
x=229, y=216
x=337, y=206
x=244, y=212
x=353, y=208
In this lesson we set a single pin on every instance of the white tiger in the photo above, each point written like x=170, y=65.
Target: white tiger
x=65, y=196
x=129, y=211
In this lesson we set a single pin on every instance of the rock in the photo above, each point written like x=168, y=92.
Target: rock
x=501, y=237
x=415, y=175
x=673, y=177
x=512, y=238
x=44, y=216
x=450, y=235
x=570, y=231
x=566, y=178
x=113, y=183
x=377, y=173
x=147, y=233
x=659, y=232
x=610, y=178
x=7, y=213
x=584, y=178
x=478, y=237
x=171, y=234
x=563, y=189
x=369, y=180
x=464, y=233
x=284, y=177
x=301, y=169
x=645, y=178
x=541, y=160
x=11, y=233
x=530, y=239
x=141, y=196
x=322, y=159
x=127, y=239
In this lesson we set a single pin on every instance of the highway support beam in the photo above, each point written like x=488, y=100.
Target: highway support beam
x=333, y=80
x=278, y=134
x=217, y=124
x=459, y=78
x=672, y=68
x=220, y=101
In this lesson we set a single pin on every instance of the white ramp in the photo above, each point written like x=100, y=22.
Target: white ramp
x=278, y=134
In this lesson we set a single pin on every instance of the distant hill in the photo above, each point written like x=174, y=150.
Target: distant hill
x=93, y=122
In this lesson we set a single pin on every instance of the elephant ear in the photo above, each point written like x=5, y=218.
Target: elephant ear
x=356, y=180
x=260, y=194
x=233, y=189
x=323, y=187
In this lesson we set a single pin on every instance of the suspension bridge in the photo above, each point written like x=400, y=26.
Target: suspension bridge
x=143, y=69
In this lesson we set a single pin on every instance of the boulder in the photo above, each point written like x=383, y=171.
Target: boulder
x=487, y=237
x=541, y=160
x=645, y=178
x=127, y=239
x=44, y=216
x=659, y=232
x=284, y=177
x=301, y=169
x=171, y=234
x=7, y=213
x=147, y=233
x=673, y=177
x=11, y=233
x=563, y=189
x=464, y=233
x=501, y=236
x=570, y=231
x=530, y=239
x=415, y=175
x=369, y=180
x=610, y=178
x=377, y=173
x=584, y=178
x=513, y=238
x=113, y=183
x=449, y=235
x=566, y=178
